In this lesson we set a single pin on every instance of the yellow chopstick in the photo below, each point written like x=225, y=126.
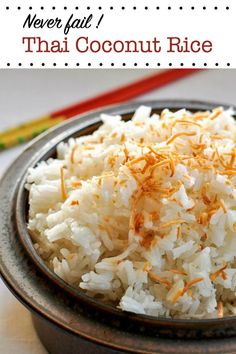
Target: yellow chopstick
x=24, y=126
x=27, y=131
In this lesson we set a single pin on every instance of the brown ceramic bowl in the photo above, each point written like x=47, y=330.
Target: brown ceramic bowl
x=66, y=319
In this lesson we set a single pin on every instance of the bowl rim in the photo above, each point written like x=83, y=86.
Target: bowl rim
x=81, y=122
x=39, y=262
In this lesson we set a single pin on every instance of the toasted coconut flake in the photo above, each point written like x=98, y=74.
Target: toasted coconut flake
x=63, y=186
x=74, y=202
x=89, y=147
x=192, y=283
x=148, y=240
x=228, y=173
x=213, y=155
x=198, y=147
x=201, y=115
x=179, y=234
x=177, y=135
x=159, y=154
x=122, y=138
x=203, y=219
x=76, y=184
x=212, y=212
x=154, y=215
x=220, y=309
x=188, y=285
x=186, y=176
x=112, y=160
x=72, y=155
x=187, y=122
x=200, y=246
x=190, y=293
x=177, y=296
x=170, y=223
x=163, y=113
x=138, y=222
x=122, y=181
x=232, y=159
x=172, y=166
x=147, y=266
x=126, y=152
x=204, y=237
x=137, y=160
x=214, y=275
x=215, y=113
x=134, y=173
x=220, y=159
x=222, y=204
x=217, y=137
x=224, y=275
x=147, y=165
x=156, y=278
x=159, y=164
x=205, y=198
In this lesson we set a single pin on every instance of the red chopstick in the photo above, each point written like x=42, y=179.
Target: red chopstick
x=24, y=133
x=125, y=93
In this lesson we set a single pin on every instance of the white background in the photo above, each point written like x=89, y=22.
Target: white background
x=27, y=94
x=198, y=20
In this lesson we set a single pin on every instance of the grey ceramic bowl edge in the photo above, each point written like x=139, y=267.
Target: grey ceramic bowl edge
x=57, y=135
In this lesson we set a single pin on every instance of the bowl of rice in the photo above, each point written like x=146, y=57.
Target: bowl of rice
x=125, y=220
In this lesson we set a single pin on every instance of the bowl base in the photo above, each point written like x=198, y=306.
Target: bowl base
x=57, y=341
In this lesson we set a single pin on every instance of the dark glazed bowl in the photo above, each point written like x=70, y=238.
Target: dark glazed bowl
x=66, y=319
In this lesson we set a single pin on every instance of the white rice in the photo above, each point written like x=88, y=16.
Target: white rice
x=143, y=213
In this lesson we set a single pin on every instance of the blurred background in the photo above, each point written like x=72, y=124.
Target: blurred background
x=28, y=94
